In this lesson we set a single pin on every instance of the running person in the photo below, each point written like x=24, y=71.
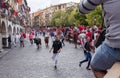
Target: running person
x=87, y=53
x=62, y=38
x=31, y=38
x=22, y=41
x=46, y=39
x=57, y=46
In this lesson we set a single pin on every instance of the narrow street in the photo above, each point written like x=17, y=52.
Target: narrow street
x=28, y=62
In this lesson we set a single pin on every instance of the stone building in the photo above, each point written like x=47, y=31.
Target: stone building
x=44, y=16
x=13, y=18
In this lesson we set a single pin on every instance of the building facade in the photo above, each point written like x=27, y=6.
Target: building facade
x=13, y=18
x=44, y=16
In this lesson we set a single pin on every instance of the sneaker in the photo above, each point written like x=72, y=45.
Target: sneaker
x=88, y=68
x=55, y=67
x=80, y=64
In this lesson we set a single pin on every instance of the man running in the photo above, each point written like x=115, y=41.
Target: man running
x=22, y=41
x=31, y=38
x=56, y=47
x=46, y=39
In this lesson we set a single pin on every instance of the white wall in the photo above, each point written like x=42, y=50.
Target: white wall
x=10, y=24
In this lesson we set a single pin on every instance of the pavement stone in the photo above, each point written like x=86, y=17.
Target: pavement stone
x=28, y=62
x=3, y=52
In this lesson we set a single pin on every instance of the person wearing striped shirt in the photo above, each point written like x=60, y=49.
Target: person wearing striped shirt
x=109, y=51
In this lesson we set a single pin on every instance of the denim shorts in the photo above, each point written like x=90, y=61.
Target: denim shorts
x=104, y=57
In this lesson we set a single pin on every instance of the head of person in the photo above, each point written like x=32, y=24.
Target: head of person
x=88, y=39
x=57, y=38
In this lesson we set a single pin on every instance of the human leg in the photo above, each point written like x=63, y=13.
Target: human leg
x=103, y=59
x=55, y=58
x=89, y=61
x=63, y=42
x=83, y=61
x=89, y=56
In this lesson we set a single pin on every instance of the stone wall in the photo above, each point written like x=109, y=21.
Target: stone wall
x=0, y=42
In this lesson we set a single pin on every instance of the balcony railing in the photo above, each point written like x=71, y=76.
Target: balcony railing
x=4, y=13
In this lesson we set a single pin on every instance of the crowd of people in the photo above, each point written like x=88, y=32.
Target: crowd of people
x=16, y=39
x=76, y=35
x=81, y=36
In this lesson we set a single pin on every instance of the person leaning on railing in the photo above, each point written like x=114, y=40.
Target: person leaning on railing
x=109, y=51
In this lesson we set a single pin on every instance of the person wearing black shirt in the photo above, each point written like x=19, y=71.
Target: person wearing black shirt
x=87, y=53
x=56, y=47
x=9, y=41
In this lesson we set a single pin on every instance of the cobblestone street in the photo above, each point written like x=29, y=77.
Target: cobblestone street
x=28, y=62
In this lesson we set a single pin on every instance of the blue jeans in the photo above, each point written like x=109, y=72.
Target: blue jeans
x=105, y=57
x=88, y=58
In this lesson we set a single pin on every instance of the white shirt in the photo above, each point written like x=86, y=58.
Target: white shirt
x=82, y=36
x=46, y=34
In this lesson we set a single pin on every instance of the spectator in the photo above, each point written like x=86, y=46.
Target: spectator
x=109, y=51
